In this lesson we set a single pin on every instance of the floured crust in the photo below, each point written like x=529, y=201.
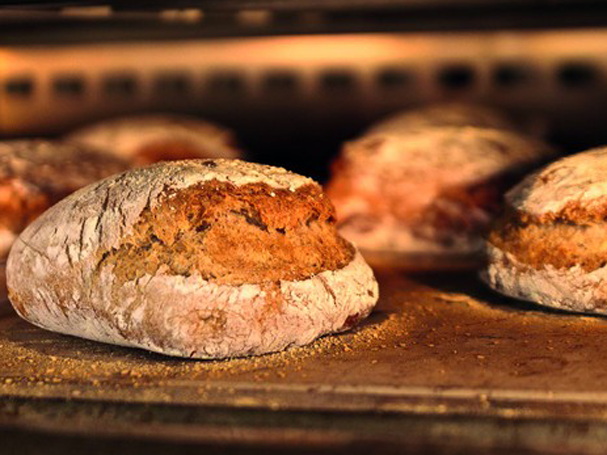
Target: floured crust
x=150, y=138
x=56, y=282
x=440, y=115
x=549, y=246
x=452, y=156
x=35, y=174
x=434, y=190
x=183, y=174
x=185, y=316
x=572, y=188
x=572, y=289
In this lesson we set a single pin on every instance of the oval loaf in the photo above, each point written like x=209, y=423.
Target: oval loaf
x=199, y=258
x=550, y=246
x=429, y=196
x=146, y=139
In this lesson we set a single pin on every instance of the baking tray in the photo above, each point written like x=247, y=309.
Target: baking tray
x=438, y=347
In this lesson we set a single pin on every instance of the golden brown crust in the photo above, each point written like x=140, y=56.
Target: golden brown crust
x=456, y=211
x=462, y=210
x=20, y=204
x=234, y=235
x=572, y=212
x=560, y=243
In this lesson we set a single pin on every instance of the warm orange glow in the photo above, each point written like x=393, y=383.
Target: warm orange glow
x=305, y=56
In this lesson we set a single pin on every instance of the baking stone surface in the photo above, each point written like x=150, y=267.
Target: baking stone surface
x=436, y=344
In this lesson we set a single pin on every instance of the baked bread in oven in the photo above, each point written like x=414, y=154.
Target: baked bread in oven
x=455, y=114
x=35, y=174
x=149, y=138
x=198, y=258
x=423, y=200
x=550, y=245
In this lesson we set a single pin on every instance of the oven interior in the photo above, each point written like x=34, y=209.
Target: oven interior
x=295, y=79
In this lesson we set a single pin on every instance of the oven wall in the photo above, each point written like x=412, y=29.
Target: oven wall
x=294, y=99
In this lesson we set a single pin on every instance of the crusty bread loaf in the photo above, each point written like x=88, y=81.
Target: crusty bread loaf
x=454, y=114
x=35, y=174
x=199, y=258
x=427, y=197
x=150, y=138
x=550, y=245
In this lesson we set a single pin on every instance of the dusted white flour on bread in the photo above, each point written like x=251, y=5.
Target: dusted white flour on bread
x=444, y=156
x=175, y=315
x=181, y=174
x=385, y=183
x=579, y=179
x=126, y=135
x=36, y=173
x=572, y=289
x=53, y=270
x=441, y=115
x=100, y=215
x=388, y=234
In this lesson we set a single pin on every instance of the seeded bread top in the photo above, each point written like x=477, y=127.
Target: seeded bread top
x=571, y=188
x=126, y=136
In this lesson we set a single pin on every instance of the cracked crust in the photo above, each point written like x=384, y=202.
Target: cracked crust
x=433, y=191
x=146, y=139
x=55, y=281
x=35, y=174
x=573, y=188
x=233, y=235
x=549, y=246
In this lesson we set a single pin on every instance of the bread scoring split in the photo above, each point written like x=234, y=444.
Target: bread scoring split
x=233, y=234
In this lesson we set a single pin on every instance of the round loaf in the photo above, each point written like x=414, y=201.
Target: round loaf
x=550, y=246
x=200, y=258
x=146, y=139
x=446, y=114
x=35, y=174
x=424, y=200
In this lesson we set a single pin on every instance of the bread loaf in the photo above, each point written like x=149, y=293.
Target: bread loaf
x=550, y=245
x=424, y=199
x=455, y=114
x=150, y=138
x=199, y=258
